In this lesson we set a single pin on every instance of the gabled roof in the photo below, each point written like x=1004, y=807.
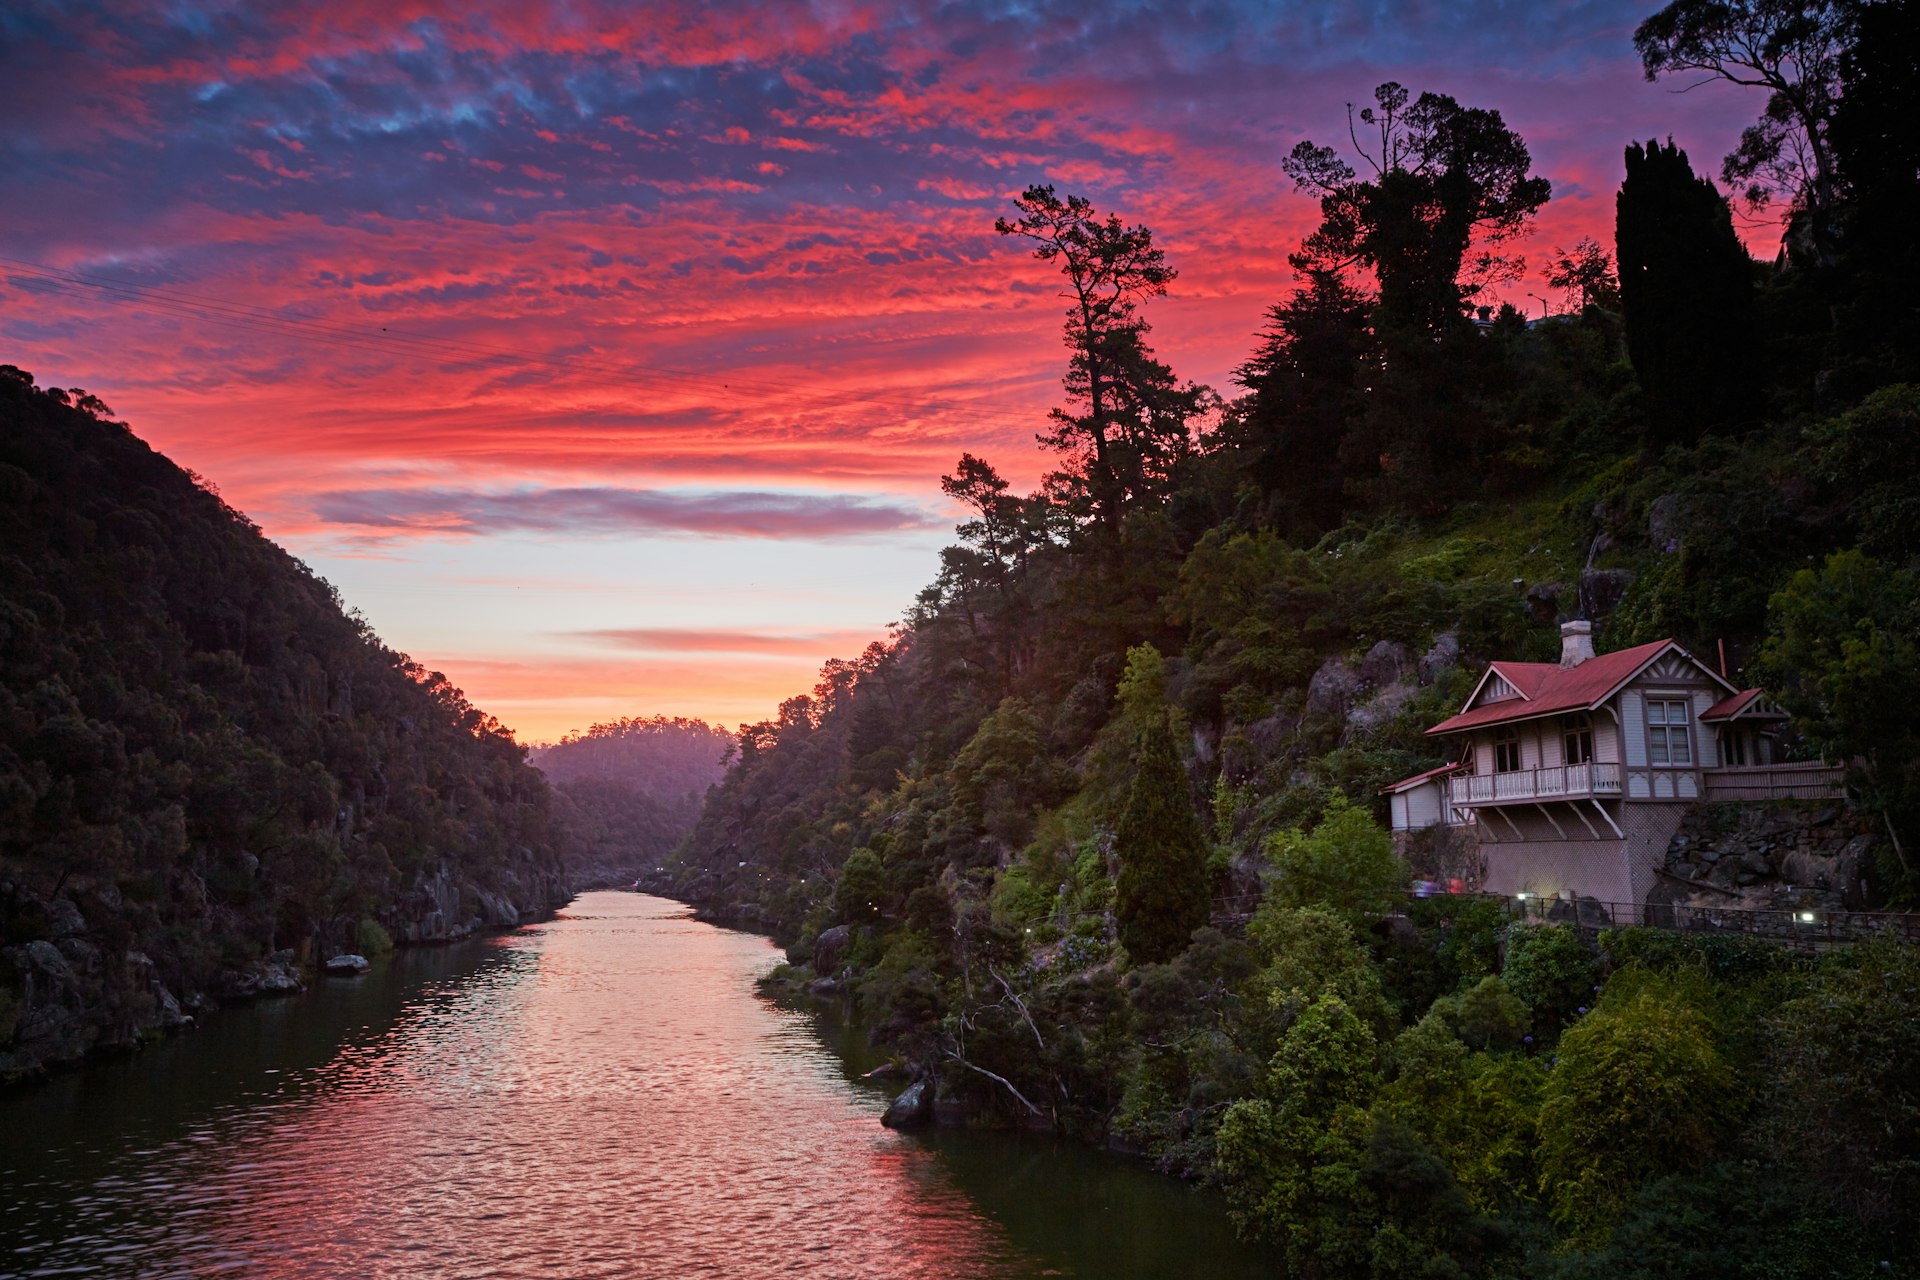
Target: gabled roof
x=1547, y=688
x=1747, y=703
x=1408, y=784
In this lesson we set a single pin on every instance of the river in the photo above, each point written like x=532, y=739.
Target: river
x=602, y=1094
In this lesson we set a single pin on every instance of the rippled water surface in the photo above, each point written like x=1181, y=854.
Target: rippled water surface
x=599, y=1095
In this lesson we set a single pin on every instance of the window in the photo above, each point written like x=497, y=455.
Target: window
x=1579, y=739
x=1667, y=739
x=1506, y=750
x=1734, y=747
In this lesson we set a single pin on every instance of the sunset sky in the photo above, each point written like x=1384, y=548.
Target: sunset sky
x=606, y=357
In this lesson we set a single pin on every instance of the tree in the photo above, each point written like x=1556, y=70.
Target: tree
x=856, y=895
x=1876, y=144
x=1304, y=382
x=1845, y=658
x=1134, y=420
x=1444, y=177
x=1585, y=273
x=1841, y=1058
x=1292, y=1156
x=1639, y=1090
x=1347, y=863
x=1686, y=287
x=1793, y=50
x=1161, y=896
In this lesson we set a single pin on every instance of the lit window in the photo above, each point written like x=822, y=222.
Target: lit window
x=1579, y=739
x=1668, y=741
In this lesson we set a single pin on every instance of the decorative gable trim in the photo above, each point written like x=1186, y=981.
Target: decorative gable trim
x=1495, y=688
x=1669, y=663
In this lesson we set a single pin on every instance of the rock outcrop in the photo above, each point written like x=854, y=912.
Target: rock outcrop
x=912, y=1109
x=1765, y=856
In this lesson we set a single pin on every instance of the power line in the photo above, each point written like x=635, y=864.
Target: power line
x=387, y=340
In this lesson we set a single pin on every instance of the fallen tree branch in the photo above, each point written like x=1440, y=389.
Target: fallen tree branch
x=1002, y=1081
x=1021, y=1006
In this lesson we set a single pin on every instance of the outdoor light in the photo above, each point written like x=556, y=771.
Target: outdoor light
x=1523, y=896
x=1806, y=917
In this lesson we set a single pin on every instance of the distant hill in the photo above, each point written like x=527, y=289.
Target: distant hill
x=212, y=775
x=632, y=789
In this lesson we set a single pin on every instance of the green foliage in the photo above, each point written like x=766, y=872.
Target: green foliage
x=1310, y=952
x=1291, y=1156
x=1551, y=972
x=370, y=939
x=1346, y=864
x=1640, y=1089
x=1843, y=1066
x=1846, y=659
x=1161, y=894
x=857, y=893
x=1731, y=1221
x=1867, y=459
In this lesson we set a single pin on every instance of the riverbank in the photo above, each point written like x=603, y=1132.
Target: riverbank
x=73, y=1009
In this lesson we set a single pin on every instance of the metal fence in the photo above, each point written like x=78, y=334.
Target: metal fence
x=1793, y=926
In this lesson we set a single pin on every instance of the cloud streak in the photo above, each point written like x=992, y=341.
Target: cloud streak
x=599, y=511
x=818, y=645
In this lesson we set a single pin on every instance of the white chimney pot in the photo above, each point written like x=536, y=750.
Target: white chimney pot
x=1576, y=642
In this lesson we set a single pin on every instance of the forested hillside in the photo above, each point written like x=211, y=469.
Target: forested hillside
x=1161, y=693
x=211, y=775
x=631, y=790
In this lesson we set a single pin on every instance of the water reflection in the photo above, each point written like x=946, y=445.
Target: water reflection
x=601, y=1095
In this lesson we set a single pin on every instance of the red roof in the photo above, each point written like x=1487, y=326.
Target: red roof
x=1418, y=778
x=1736, y=706
x=1547, y=688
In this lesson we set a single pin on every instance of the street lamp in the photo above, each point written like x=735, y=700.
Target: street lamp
x=1543, y=304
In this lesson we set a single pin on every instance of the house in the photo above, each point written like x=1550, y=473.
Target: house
x=1572, y=777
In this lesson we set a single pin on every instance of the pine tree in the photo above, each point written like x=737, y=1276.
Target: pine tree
x=1162, y=894
x=1686, y=287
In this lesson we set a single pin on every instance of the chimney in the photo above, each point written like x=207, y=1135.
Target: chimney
x=1576, y=642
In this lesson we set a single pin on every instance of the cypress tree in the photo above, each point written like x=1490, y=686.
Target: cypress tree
x=1686, y=288
x=1162, y=892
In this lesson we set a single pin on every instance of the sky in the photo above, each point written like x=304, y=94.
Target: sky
x=606, y=356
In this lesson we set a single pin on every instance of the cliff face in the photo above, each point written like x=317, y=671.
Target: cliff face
x=212, y=776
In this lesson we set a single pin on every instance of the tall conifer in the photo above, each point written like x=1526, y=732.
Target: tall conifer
x=1686, y=288
x=1162, y=890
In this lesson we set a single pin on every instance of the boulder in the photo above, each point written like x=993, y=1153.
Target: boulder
x=64, y=919
x=348, y=965
x=830, y=948
x=1385, y=663
x=1601, y=590
x=912, y=1109
x=1543, y=602
x=1332, y=690
x=1443, y=657
x=1663, y=522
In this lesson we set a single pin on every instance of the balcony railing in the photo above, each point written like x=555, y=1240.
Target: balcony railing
x=1562, y=782
x=1797, y=780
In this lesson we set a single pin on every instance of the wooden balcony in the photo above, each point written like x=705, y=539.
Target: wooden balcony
x=1525, y=786
x=1801, y=780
